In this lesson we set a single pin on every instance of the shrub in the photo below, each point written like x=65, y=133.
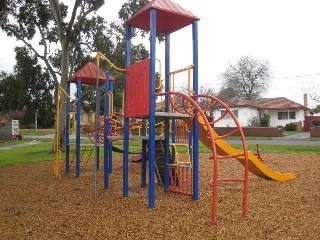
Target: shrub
x=290, y=127
x=265, y=120
x=315, y=123
x=253, y=122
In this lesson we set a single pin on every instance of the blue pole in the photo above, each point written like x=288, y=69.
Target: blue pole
x=144, y=156
x=152, y=107
x=67, y=129
x=78, y=128
x=126, y=122
x=195, y=123
x=167, y=122
x=96, y=132
x=106, y=132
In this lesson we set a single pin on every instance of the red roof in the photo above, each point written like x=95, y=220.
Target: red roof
x=170, y=16
x=280, y=103
x=236, y=102
x=88, y=75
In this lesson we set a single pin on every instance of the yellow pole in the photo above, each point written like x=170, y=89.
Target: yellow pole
x=57, y=144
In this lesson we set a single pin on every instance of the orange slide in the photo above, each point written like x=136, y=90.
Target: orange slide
x=255, y=165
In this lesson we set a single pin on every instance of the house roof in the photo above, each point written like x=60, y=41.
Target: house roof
x=88, y=75
x=170, y=17
x=279, y=103
x=236, y=102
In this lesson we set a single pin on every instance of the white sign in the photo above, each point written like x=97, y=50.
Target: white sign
x=15, y=127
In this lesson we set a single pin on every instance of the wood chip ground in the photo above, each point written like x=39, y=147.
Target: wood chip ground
x=36, y=205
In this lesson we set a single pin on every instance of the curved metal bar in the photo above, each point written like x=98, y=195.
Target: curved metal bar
x=210, y=135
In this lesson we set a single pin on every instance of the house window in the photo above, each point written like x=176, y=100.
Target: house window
x=228, y=116
x=286, y=115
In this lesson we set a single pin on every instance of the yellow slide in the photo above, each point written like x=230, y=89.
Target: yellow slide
x=224, y=149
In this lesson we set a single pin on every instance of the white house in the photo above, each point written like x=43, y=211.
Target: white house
x=281, y=111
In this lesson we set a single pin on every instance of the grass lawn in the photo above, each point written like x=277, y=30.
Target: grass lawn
x=38, y=132
x=41, y=151
x=30, y=153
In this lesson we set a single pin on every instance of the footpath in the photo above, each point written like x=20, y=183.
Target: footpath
x=33, y=142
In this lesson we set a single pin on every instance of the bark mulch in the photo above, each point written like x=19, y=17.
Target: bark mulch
x=36, y=205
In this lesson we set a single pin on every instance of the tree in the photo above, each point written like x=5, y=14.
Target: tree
x=26, y=92
x=249, y=77
x=226, y=93
x=37, y=87
x=66, y=37
x=63, y=38
x=12, y=95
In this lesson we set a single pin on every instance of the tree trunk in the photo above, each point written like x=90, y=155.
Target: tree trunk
x=63, y=97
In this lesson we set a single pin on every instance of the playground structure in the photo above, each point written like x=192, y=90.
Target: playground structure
x=172, y=156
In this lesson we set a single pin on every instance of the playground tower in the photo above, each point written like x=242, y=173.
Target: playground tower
x=166, y=17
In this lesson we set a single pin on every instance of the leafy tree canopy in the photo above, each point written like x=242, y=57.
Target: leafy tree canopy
x=61, y=36
x=27, y=92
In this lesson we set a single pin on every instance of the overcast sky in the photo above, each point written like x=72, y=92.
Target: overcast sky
x=284, y=32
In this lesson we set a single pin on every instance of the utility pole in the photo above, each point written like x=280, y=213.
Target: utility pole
x=36, y=121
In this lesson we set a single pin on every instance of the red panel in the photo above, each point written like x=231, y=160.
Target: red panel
x=137, y=89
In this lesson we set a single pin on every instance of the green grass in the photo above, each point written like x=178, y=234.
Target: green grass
x=294, y=149
x=11, y=143
x=27, y=154
x=38, y=132
x=41, y=151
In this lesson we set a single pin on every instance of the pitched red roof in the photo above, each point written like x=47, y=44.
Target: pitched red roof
x=280, y=103
x=170, y=16
x=236, y=102
x=88, y=75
